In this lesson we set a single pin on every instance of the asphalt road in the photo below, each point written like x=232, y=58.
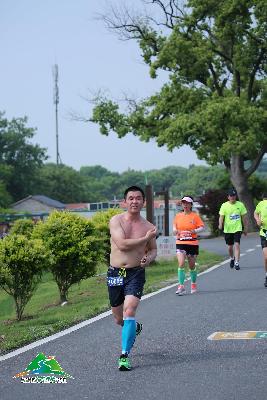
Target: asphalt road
x=173, y=357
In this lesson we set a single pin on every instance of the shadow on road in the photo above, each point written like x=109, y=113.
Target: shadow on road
x=160, y=359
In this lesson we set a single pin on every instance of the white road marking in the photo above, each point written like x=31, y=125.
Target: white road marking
x=92, y=320
x=238, y=335
x=249, y=250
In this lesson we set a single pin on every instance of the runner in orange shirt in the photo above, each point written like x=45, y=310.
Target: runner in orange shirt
x=186, y=225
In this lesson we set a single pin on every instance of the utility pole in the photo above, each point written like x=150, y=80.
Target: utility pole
x=56, y=101
x=165, y=193
x=149, y=203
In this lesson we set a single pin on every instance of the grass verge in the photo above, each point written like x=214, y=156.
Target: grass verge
x=44, y=315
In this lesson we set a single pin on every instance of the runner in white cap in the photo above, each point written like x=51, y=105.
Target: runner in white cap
x=186, y=225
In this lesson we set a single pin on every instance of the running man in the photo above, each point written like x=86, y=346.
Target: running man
x=186, y=225
x=233, y=220
x=133, y=247
x=260, y=215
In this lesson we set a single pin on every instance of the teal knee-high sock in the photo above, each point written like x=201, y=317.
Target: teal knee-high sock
x=193, y=275
x=181, y=276
x=128, y=334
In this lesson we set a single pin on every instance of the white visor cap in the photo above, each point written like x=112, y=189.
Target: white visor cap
x=187, y=199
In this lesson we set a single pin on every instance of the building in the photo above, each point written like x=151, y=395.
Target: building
x=37, y=204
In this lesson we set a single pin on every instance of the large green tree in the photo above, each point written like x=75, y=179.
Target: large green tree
x=20, y=160
x=62, y=183
x=215, y=53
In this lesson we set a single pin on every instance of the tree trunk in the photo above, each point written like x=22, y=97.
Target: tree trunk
x=240, y=182
x=63, y=294
x=19, y=309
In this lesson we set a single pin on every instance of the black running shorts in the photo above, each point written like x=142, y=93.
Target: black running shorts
x=132, y=284
x=231, y=238
x=188, y=249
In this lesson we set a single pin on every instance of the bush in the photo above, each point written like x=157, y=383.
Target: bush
x=75, y=246
x=101, y=222
x=22, y=227
x=22, y=262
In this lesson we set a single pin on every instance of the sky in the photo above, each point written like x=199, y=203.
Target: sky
x=36, y=35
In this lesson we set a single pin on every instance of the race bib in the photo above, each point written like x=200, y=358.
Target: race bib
x=185, y=235
x=115, y=280
x=234, y=217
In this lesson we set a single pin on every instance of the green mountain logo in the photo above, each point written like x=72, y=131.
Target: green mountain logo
x=43, y=365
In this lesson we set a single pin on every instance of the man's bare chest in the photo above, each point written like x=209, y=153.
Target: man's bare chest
x=134, y=230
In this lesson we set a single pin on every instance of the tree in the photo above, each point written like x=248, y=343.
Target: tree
x=22, y=261
x=74, y=245
x=215, y=100
x=5, y=176
x=19, y=159
x=62, y=183
x=96, y=171
x=101, y=222
x=211, y=202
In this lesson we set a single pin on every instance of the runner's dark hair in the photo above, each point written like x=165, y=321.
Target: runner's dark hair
x=134, y=189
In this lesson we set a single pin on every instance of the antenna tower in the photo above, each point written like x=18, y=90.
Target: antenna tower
x=56, y=101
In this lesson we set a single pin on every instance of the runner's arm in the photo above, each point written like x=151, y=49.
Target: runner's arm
x=257, y=218
x=199, y=229
x=221, y=221
x=151, y=253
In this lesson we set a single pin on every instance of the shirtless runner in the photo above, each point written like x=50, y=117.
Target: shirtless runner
x=133, y=247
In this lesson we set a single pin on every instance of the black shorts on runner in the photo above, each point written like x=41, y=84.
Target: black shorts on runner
x=263, y=242
x=231, y=238
x=188, y=249
x=132, y=283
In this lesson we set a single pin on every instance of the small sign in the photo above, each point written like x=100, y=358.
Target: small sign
x=238, y=335
x=166, y=246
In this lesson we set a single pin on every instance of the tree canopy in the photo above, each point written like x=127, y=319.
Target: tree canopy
x=215, y=53
x=20, y=160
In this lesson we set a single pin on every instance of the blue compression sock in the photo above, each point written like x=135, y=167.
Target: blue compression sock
x=128, y=334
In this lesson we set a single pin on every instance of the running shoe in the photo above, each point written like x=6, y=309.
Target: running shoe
x=193, y=288
x=237, y=267
x=232, y=263
x=139, y=328
x=180, y=290
x=124, y=363
x=265, y=283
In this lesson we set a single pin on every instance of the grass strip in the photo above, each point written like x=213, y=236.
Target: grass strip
x=45, y=316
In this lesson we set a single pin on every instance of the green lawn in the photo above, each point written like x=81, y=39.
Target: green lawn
x=44, y=315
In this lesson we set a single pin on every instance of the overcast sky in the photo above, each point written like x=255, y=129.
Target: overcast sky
x=34, y=36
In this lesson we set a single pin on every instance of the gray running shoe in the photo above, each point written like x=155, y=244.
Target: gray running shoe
x=180, y=290
x=237, y=267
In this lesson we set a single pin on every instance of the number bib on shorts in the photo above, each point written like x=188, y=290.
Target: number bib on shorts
x=115, y=280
